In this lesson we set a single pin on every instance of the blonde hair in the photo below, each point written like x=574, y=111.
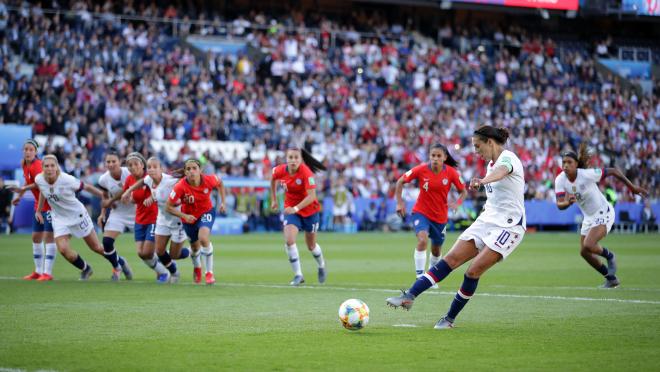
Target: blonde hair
x=57, y=163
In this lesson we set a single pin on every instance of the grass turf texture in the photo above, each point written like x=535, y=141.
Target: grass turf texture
x=540, y=309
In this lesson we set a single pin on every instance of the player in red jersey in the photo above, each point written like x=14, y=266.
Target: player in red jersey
x=146, y=213
x=193, y=192
x=301, y=207
x=430, y=211
x=42, y=233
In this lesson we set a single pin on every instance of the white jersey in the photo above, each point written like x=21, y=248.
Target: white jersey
x=162, y=192
x=585, y=188
x=61, y=197
x=505, y=205
x=116, y=187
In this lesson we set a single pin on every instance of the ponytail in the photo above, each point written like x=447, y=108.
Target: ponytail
x=449, y=159
x=584, y=156
x=309, y=160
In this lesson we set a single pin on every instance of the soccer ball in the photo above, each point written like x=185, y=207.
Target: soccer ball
x=354, y=314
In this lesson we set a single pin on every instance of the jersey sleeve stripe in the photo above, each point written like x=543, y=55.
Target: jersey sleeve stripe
x=82, y=186
x=603, y=173
x=560, y=194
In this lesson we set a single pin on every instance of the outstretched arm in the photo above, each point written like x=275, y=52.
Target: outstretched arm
x=632, y=187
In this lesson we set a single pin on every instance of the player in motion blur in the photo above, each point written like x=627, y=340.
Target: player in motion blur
x=167, y=225
x=121, y=216
x=42, y=232
x=301, y=208
x=577, y=183
x=146, y=213
x=193, y=193
x=492, y=237
x=430, y=211
x=68, y=214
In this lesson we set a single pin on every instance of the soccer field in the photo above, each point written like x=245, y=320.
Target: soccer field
x=540, y=309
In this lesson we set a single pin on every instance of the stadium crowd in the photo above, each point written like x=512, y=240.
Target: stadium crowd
x=368, y=104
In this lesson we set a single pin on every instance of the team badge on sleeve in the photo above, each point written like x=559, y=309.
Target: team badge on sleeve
x=173, y=194
x=311, y=181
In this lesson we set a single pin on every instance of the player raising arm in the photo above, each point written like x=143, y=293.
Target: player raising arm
x=577, y=183
x=492, y=237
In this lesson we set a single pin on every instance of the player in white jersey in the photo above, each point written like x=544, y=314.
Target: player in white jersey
x=577, y=183
x=492, y=237
x=122, y=215
x=168, y=226
x=69, y=215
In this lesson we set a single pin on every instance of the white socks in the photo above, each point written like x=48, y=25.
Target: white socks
x=51, y=253
x=433, y=260
x=294, y=259
x=318, y=256
x=420, y=262
x=207, y=256
x=38, y=255
x=155, y=264
x=194, y=256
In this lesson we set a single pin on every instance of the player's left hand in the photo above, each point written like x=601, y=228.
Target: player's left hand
x=222, y=208
x=148, y=202
x=14, y=188
x=475, y=183
x=452, y=206
x=289, y=210
x=640, y=191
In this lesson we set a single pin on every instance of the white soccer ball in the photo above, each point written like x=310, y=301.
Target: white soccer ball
x=354, y=314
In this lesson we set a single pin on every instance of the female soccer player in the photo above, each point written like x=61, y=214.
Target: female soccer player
x=122, y=216
x=577, y=183
x=197, y=214
x=492, y=237
x=167, y=225
x=430, y=211
x=42, y=233
x=301, y=208
x=145, y=216
x=68, y=214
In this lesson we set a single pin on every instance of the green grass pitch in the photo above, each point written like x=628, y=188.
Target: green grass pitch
x=541, y=309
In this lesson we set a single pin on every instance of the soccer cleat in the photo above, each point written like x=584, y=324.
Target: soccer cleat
x=435, y=286
x=197, y=274
x=210, y=279
x=611, y=283
x=405, y=300
x=322, y=275
x=116, y=275
x=33, y=276
x=163, y=278
x=297, y=280
x=126, y=269
x=45, y=277
x=443, y=323
x=611, y=265
x=85, y=274
x=174, y=278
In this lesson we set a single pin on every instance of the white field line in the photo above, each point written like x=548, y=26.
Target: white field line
x=431, y=292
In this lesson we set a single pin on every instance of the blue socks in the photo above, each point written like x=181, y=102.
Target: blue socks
x=79, y=263
x=463, y=295
x=607, y=254
x=185, y=253
x=435, y=274
x=166, y=260
x=109, y=251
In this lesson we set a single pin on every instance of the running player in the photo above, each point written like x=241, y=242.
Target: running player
x=168, y=226
x=577, y=183
x=301, y=208
x=430, y=211
x=492, y=237
x=121, y=216
x=42, y=233
x=146, y=213
x=68, y=214
x=193, y=193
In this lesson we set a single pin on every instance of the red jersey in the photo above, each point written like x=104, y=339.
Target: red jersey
x=143, y=215
x=433, y=190
x=195, y=200
x=29, y=174
x=295, y=187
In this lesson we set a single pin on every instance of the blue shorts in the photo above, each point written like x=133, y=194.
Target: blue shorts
x=144, y=232
x=205, y=220
x=47, y=226
x=309, y=224
x=436, y=230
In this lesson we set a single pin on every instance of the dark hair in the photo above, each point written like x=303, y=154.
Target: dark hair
x=137, y=156
x=450, y=159
x=313, y=164
x=194, y=160
x=32, y=142
x=582, y=157
x=499, y=135
x=112, y=152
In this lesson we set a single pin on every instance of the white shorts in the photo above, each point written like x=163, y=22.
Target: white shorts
x=82, y=226
x=340, y=211
x=604, y=216
x=176, y=233
x=119, y=222
x=502, y=240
